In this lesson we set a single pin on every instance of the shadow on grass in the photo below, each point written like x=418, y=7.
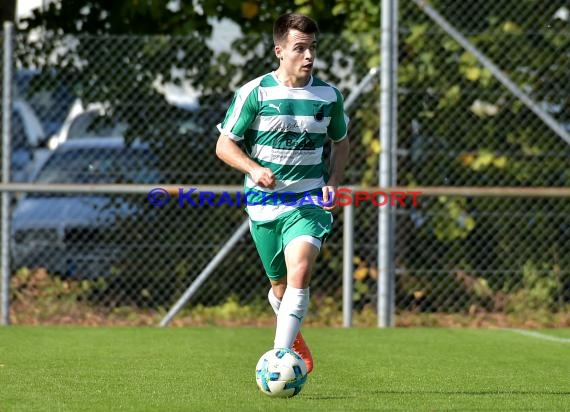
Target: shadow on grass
x=476, y=393
x=327, y=397
x=428, y=392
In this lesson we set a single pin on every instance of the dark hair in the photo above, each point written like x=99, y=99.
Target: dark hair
x=293, y=21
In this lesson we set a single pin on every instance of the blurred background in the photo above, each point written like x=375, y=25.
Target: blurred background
x=130, y=92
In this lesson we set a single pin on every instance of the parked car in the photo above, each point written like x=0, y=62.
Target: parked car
x=72, y=234
x=86, y=121
x=48, y=94
x=28, y=139
x=193, y=124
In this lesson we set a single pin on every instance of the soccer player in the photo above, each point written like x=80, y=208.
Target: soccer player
x=283, y=119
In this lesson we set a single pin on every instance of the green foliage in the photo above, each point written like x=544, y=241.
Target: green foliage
x=537, y=292
x=37, y=283
x=460, y=127
x=231, y=311
x=454, y=222
x=457, y=125
x=117, y=17
x=38, y=297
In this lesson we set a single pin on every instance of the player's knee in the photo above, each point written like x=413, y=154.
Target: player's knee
x=301, y=268
x=299, y=274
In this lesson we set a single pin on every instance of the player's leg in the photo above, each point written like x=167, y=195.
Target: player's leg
x=269, y=244
x=302, y=234
x=276, y=292
x=300, y=257
x=299, y=344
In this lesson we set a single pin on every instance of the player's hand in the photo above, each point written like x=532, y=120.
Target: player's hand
x=263, y=177
x=329, y=193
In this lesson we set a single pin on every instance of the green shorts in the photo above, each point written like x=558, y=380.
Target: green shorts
x=272, y=237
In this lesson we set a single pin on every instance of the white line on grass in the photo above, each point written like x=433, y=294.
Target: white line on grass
x=538, y=335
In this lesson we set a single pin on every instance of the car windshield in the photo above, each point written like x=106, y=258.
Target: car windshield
x=93, y=124
x=100, y=165
x=48, y=94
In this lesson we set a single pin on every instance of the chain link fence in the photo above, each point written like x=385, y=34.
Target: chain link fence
x=460, y=126
x=122, y=109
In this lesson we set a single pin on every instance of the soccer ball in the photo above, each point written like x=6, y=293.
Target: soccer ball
x=280, y=373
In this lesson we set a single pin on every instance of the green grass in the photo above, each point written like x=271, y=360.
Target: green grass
x=561, y=333
x=212, y=369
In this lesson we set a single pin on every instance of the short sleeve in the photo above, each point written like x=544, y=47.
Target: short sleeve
x=338, y=126
x=242, y=112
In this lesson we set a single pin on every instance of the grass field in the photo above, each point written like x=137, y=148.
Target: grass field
x=212, y=369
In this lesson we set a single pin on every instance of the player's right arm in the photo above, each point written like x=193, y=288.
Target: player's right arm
x=230, y=153
x=241, y=114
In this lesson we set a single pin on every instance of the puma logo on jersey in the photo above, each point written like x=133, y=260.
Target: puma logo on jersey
x=274, y=106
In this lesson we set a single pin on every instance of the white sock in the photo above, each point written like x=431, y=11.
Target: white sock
x=273, y=301
x=292, y=311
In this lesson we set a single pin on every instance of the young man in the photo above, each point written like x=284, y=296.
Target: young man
x=283, y=118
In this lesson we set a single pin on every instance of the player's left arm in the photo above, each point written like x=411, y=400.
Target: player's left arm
x=339, y=158
x=340, y=149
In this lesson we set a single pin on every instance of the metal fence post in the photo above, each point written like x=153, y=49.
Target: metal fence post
x=6, y=163
x=348, y=227
x=347, y=259
x=387, y=162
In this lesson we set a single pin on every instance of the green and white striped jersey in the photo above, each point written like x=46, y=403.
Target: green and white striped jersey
x=284, y=129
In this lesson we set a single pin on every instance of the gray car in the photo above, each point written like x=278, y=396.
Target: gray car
x=72, y=234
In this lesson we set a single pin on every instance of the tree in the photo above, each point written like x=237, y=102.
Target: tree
x=460, y=126
x=116, y=53
x=457, y=124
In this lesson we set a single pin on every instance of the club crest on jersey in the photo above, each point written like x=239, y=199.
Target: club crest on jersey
x=318, y=112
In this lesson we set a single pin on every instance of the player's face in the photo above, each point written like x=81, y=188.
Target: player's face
x=298, y=54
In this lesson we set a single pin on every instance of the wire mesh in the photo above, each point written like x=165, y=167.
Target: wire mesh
x=158, y=98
